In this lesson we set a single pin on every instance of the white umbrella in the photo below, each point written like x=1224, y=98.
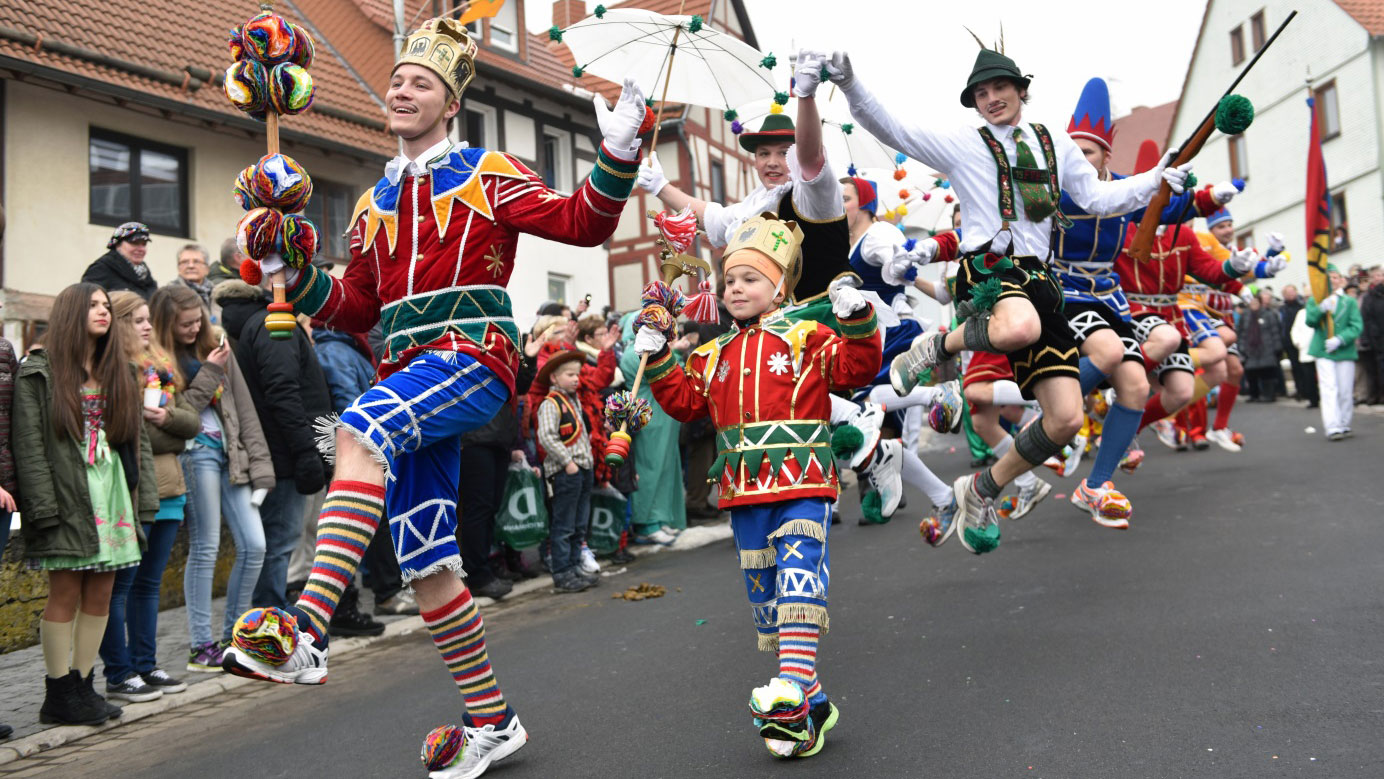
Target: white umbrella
x=676, y=59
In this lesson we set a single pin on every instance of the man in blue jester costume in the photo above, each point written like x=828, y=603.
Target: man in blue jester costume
x=432, y=249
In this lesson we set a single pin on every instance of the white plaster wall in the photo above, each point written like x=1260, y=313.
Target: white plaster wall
x=536, y=258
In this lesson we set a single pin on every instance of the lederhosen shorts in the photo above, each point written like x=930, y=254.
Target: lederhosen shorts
x=1056, y=351
x=1086, y=318
x=1179, y=360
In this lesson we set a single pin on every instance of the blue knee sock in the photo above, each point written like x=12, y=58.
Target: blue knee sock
x=1091, y=376
x=1121, y=424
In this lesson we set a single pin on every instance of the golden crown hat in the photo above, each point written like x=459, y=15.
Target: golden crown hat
x=776, y=239
x=444, y=47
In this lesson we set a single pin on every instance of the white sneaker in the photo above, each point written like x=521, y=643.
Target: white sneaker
x=307, y=664
x=1074, y=457
x=921, y=355
x=133, y=690
x=1166, y=432
x=977, y=525
x=483, y=747
x=868, y=420
x=672, y=531
x=588, y=560
x=1222, y=439
x=1029, y=497
x=660, y=537
x=886, y=475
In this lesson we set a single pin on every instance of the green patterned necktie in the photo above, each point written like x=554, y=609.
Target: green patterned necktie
x=1038, y=203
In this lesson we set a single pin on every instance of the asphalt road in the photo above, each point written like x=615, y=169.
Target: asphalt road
x=1234, y=631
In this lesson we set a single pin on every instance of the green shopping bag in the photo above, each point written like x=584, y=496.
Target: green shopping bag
x=522, y=520
x=607, y=520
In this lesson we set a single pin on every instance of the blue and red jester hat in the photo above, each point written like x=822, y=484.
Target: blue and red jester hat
x=1091, y=119
x=865, y=194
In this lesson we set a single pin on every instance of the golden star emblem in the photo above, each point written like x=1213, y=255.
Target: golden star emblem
x=495, y=261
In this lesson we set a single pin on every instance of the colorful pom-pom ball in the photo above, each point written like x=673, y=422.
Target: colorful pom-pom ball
x=1234, y=114
x=234, y=44
x=902, y=210
x=946, y=184
x=927, y=196
x=851, y=169
x=900, y=158
x=278, y=181
x=266, y=634
x=299, y=241
x=949, y=199
x=903, y=194
x=268, y=38
x=257, y=234
x=443, y=747
x=648, y=123
x=736, y=128
x=291, y=88
x=775, y=109
x=304, y=49
x=250, y=272
x=247, y=87
x=900, y=174
x=244, y=189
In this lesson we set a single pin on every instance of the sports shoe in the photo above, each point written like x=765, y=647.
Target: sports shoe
x=1167, y=433
x=349, y=620
x=945, y=414
x=1106, y=505
x=885, y=475
x=1028, y=497
x=937, y=528
x=924, y=354
x=1073, y=460
x=160, y=679
x=133, y=690
x=978, y=526
x=205, y=658
x=307, y=664
x=660, y=537
x=824, y=716
x=868, y=420
x=570, y=581
x=588, y=561
x=400, y=602
x=483, y=747
x=780, y=712
x=1200, y=443
x=1222, y=439
x=495, y=589
x=1132, y=459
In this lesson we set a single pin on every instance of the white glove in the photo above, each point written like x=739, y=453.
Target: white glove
x=845, y=298
x=650, y=177
x=1328, y=305
x=649, y=340
x=1276, y=242
x=1246, y=295
x=839, y=70
x=895, y=271
x=1242, y=260
x=924, y=251
x=1175, y=176
x=808, y=73
x=620, y=125
x=1224, y=192
x=273, y=264
x=1333, y=343
x=1275, y=264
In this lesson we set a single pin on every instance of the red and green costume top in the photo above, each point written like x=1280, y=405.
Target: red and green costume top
x=431, y=254
x=766, y=387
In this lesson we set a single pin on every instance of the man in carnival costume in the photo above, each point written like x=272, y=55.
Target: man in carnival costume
x=1009, y=300
x=432, y=248
x=766, y=386
x=796, y=183
x=1084, y=255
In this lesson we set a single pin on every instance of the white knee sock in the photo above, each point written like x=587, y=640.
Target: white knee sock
x=920, y=476
x=1007, y=394
x=842, y=409
x=920, y=396
x=912, y=427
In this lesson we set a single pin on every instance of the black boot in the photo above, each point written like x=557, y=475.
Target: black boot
x=89, y=692
x=348, y=620
x=64, y=703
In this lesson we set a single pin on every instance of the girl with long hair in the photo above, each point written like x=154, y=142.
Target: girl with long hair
x=128, y=649
x=81, y=453
x=226, y=461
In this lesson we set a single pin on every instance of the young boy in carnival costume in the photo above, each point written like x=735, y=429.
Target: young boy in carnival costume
x=1087, y=246
x=1009, y=300
x=766, y=386
x=432, y=248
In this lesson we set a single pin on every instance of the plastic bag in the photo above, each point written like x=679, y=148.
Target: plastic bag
x=522, y=519
x=607, y=520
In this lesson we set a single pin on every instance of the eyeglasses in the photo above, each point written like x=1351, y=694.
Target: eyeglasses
x=191, y=261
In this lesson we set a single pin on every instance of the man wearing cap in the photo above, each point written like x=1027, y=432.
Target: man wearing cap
x=1009, y=175
x=1096, y=307
x=795, y=183
x=432, y=247
x=122, y=267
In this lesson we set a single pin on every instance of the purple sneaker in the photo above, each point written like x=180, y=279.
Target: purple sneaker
x=205, y=658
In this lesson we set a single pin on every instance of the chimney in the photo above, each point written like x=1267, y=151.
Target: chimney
x=568, y=12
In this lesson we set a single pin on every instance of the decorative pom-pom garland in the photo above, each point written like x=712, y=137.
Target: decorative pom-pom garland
x=903, y=194
x=781, y=98
x=730, y=115
x=902, y=210
x=555, y=34
x=247, y=87
x=268, y=38
x=244, y=189
x=234, y=44
x=769, y=61
x=927, y=196
x=600, y=12
x=268, y=635
x=578, y=71
x=658, y=318
x=257, y=234
x=775, y=108
x=847, y=128
x=298, y=241
x=695, y=24
x=736, y=128
x=900, y=174
x=443, y=747
x=291, y=88
x=656, y=293
x=304, y=50
x=622, y=408
x=900, y=158
x=1234, y=114
x=277, y=181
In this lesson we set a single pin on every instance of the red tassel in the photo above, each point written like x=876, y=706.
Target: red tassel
x=250, y=272
x=701, y=308
x=648, y=124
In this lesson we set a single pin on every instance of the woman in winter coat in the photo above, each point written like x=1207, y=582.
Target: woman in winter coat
x=129, y=647
x=225, y=463
x=1259, y=333
x=122, y=267
x=81, y=454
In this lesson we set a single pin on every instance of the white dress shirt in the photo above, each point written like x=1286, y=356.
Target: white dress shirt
x=818, y=200
x=961, y=153
x=402, y=166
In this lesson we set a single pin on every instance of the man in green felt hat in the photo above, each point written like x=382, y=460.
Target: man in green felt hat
x=1008, y=175
x=795, y=182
